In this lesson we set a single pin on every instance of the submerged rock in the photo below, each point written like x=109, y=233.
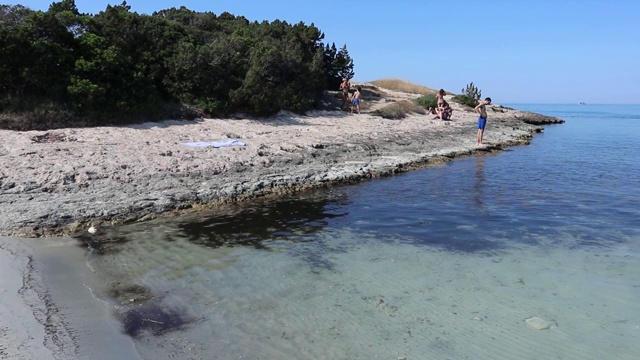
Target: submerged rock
x=540, y=323
x=537, y=119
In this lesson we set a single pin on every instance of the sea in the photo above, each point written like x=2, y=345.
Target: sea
x=529, y=253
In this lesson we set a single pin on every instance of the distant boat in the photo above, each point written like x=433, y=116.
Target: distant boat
x=583, y=103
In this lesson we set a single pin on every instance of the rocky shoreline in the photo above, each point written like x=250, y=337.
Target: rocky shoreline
x=64, y=181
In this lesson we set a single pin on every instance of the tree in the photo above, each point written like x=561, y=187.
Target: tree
x=338, y=65
x=470, y=95
x=119, y=63
x=472, y=92
x=37, y=53
x=66, y=12
x=15, y=44
x=344, y=64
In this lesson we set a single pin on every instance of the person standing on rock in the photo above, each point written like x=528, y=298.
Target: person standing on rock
x=482, y=119
x=356, y=100
x=344, y=88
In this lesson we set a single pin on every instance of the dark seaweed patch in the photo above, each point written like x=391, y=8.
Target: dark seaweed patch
x=255, y=224
x=153, y=319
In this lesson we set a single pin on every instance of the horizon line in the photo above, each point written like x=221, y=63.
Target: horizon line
x=565, y=103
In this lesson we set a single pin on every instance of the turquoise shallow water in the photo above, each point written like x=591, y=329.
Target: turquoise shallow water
x=445, y=262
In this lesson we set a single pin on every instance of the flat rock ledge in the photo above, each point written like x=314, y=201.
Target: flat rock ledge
x=64, y=181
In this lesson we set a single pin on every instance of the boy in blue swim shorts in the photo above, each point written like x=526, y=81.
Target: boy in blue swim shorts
x=482, y=119
x=355, y=101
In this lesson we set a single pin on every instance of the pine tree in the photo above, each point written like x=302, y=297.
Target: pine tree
x=472, y=92
x=470, y=95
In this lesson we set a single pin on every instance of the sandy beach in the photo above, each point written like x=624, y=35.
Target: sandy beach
x=62, y=182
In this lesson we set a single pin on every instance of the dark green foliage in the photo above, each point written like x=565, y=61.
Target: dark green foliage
x=465, y=100
x=41, y=116
x=338, y=65
x=123, y=65
x=427, y=101
x=471, y=91
x=470, y=95
x=36, y=59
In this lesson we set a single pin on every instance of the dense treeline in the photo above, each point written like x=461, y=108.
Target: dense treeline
x=118, y=64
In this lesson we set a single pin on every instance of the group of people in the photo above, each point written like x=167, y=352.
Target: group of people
x=442, y=111
x=345, y=88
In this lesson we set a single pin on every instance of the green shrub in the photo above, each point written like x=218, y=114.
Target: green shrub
x=465, y=100
x=470, y=95
x=427, y=101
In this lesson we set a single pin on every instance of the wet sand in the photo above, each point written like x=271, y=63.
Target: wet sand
x=48, y=310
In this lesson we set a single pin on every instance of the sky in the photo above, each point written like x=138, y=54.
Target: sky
x=515, y=51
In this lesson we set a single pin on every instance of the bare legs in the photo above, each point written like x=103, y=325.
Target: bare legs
x=479, y=137
x=355, y=107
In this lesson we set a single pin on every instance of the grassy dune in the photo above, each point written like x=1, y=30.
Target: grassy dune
x=403, y=86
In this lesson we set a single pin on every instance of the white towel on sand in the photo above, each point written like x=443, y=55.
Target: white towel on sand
x=215, y=144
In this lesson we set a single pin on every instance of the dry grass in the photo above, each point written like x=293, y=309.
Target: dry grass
x=403, y=86
x=399, y=110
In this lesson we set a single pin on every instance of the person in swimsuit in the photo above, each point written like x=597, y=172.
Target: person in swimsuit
x=355, y=101
x=344, y=87
x=446, y=112
x=440, y=99
x=443, y=111
x=482, y=119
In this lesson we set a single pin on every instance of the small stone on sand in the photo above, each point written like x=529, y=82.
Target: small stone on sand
x=540, y=323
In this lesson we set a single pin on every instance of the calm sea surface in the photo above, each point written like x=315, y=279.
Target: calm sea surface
x=527, y=254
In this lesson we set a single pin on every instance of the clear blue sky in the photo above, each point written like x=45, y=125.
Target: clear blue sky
x=516, y=51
